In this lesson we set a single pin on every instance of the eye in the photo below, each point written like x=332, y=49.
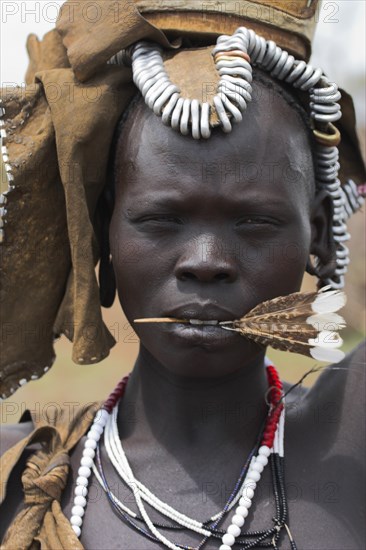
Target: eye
x=255, y=220
x=161, y=218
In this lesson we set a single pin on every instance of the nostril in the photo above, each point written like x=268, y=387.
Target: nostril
x=221, y=276
x=193, y=270
x=187, y=276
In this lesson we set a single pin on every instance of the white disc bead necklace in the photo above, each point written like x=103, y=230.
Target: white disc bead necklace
x=106, y=421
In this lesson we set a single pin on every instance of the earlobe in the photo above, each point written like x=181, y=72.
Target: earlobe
x=107, y=281
x=107, y=278
x=322, y=246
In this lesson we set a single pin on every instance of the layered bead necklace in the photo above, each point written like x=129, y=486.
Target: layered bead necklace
x=268, y=448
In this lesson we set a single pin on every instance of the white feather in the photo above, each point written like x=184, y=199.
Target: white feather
x=326, y=321
x=328, y=302
x=326, y=339
x=326, y=354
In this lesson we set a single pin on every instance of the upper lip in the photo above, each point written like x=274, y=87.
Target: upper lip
x=203, y=312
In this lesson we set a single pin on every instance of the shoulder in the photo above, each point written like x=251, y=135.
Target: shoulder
x=338, y=402
x=344, y=380
x=325, y=455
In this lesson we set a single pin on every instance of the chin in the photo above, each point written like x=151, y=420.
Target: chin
x=188, y=356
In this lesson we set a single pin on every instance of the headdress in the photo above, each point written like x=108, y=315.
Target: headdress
x=57, y=132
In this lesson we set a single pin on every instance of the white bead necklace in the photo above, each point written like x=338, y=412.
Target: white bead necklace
x=252, y=478
x=104, y=421
x=84, y=471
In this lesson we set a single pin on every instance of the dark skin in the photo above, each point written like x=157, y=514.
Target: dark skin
x=194, y=405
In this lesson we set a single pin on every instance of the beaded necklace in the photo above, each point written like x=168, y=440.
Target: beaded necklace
x=267, y=449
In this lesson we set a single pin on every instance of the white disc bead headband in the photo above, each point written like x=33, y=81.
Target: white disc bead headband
x=234, y=56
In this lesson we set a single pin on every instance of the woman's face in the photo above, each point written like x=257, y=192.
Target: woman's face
x=208, y=229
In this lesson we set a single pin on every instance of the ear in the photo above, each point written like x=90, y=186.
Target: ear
x=107, y=281
x=322, y=244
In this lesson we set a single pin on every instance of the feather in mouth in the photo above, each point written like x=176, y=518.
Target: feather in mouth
x=302, y=322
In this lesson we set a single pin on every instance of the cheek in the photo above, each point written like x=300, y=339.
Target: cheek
x=275, y=264
x=134, y=265
x=286, y=259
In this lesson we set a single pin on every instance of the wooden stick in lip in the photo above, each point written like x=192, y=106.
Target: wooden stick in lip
x=170, y=320
x=160, y=320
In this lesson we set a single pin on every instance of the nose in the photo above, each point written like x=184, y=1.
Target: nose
x=206, y=259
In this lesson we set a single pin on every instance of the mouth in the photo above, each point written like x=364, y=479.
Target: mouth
x=194, y=322
x=205, y=333
x=202, y=322
x=201, y=314
x=198, y=324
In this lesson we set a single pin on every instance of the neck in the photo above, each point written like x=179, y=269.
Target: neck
x=179, y=411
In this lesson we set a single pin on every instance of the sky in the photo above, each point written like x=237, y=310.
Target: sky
x=339, y=46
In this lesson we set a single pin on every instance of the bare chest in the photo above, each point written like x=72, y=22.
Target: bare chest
x=323, y=498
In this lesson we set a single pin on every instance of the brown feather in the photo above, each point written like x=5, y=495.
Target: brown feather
x=283, y=305
x=281, y=323
x=283, y=343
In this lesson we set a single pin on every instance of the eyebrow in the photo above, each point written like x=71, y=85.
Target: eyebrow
x=177, y=200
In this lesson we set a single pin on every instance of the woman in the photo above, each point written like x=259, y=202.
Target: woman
x=196, y=399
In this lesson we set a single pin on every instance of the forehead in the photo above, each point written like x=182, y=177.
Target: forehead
x=266, y=156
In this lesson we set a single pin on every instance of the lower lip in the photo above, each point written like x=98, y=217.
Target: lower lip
x=205, y=335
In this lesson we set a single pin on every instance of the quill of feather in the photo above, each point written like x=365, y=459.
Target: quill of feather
x=302, y=322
